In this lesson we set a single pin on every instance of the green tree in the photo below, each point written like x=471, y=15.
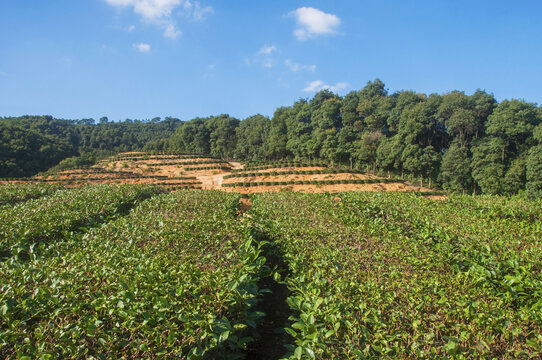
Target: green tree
x=275, y=144
x=487, y=168
x=455, y=173
x=534, y=165
x=251, y=134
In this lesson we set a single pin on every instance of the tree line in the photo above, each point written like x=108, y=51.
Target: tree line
x=31, y=144
x=463, y=143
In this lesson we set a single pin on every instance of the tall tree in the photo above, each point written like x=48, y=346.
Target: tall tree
x=251, y=134
x=455, y=173
x=534, y=164
x=275, y=144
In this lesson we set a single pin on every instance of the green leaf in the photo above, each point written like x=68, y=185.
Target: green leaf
x=298, y=352
x=224, y=336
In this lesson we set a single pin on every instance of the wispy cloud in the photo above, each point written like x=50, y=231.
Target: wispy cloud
x=298, y=67
x=266, y=56
x=312, y=22
x=196, y=11
x=149, y=9
x=267, y=49
x=172, y=32
x=161, y=12
x=210, y=71
x=142, y=47
x=317, y=85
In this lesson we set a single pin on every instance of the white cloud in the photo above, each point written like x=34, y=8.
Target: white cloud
x=267, y=49
x=312, y=22
x=314, y=86
x=149, y=9
x=142, y=47
x=196, y=11
x=130, y=28
x=160, y=12
x=267, y=56
x=337, y=87
x=317, y=85
x=172, y=32
x=297, y=67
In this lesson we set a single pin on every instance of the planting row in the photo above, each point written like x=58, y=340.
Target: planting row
x=285, y=162
x=156, y=157
x=315, y=182
x=278, y=165
x=293, y=172
x=393, y=275
x=226, y=168
x=11, y=194
x=202, y=162
x=28, y=228
x=184, y=183
x=86, y=170
x=176, y=278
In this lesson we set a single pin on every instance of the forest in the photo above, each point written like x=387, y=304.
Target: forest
x=31, y=144
x=459, y=142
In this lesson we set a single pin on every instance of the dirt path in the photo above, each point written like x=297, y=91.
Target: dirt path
x=211, y=181
x=236, y=165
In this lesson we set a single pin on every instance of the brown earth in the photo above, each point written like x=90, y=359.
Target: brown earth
x=335, y=188
x=300, y=177
x=214, y=178
x=303, y=168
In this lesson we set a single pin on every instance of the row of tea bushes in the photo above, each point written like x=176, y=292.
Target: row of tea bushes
x=198, y=168
x=293, y=172
x=156, y=157
x=176, y=278
x=11, y=193
x=394, y=275
x=183, y=163
x=27, y=228
x=278, y=166
x=315, y=182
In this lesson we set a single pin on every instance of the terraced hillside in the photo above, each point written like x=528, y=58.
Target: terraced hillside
x=204, y=172
x=307, y=177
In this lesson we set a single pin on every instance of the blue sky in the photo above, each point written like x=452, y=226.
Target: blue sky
x=140, y=59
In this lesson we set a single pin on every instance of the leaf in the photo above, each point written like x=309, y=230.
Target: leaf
x=298, y=352
x=224, y=336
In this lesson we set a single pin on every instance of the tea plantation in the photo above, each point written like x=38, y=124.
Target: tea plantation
x=133, y=272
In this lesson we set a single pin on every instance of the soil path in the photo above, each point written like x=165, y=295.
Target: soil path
x=236, y=165
x=211, y=181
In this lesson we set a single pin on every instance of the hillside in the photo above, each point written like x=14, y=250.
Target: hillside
x=202, y=172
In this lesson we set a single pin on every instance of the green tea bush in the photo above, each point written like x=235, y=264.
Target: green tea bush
x=29, y=226
x=395, y=275
x=176, y=278
x=14, y=193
